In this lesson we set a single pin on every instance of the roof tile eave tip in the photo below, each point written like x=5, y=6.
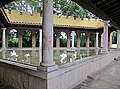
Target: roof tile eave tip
x=24, y=23
x=86, y=27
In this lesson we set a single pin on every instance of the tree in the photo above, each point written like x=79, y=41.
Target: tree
x=26, y=5
x=61, y=7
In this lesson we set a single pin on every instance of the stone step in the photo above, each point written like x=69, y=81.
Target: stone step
x=5, y=86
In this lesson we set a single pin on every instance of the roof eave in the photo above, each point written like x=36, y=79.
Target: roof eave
x=92, y=8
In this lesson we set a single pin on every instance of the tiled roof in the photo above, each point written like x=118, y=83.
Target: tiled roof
x=14, y=17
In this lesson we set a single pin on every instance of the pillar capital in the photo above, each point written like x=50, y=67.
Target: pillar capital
x=97, y=33
x=57, y=33
x=19, y=31
x=33, y=31
x=4, y=28
x=68, y=33
x=118, y=31
x=78, y=33
x=106, y=21
x=40, y=29
x=87, y=33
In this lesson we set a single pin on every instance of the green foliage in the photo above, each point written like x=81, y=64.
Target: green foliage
x=83, y=40
x=61, y=7
x=27, y=39
x=92, y=39
x=75, y=39
x=13, y=43
x=70, y=8
x=63, y=42
x=25, y=5
x=37, y=39
x=114, y=38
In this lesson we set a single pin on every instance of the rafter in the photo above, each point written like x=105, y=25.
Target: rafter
x=3, y=2
x=94, y=9
x=112, y=10
x=106, y=3
x=112, y=6
x=114, y=13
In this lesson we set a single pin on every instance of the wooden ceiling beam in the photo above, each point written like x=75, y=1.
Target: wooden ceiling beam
x=96, y=1
x=91, y=7
x=112, y=6
x=95, y=10
x=4, y=2
x=1, y=24
x=112, y=10
x=116, y=17
x=114, y=13
x=107, y=2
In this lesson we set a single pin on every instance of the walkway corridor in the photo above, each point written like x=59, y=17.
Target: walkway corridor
x=108, y=78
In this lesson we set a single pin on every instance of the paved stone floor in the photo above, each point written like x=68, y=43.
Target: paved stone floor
x=108, y=78
x=5, y=86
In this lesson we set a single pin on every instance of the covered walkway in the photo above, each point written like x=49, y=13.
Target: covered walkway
x=107, y=78
x=48, y=75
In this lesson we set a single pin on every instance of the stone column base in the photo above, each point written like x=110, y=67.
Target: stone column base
x=48, y=69
x=104, y=51
x=2, y=49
